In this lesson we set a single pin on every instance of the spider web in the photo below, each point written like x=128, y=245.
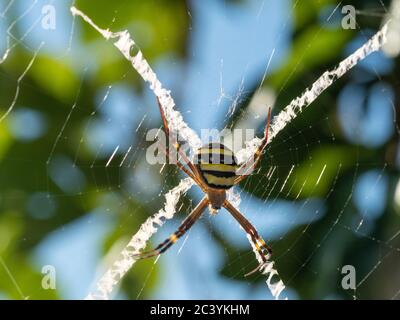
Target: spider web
x=306, y=211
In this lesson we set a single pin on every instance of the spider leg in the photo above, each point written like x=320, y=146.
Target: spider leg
x=250, y=165
x=185, y=226
x=180, y=165
x=262, y=248
x=177, y=146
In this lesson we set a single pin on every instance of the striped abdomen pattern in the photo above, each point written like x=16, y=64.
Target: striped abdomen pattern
x=217, y=165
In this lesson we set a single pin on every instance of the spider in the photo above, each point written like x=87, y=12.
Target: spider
x=215, y=171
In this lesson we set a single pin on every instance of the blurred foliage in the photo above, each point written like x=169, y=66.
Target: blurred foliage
x=323, y=145
x=161, y=28
x=24, y=163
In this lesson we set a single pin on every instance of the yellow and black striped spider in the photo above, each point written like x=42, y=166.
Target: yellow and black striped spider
x=215, y=170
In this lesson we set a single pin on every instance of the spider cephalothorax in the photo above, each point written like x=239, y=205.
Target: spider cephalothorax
x=214, y=170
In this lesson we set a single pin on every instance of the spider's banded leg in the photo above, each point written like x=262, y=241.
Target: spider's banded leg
x=185, y=226
x=179, y=164
x=248, y=227
x=258, y=153
x=262, y=248
x=177, y=145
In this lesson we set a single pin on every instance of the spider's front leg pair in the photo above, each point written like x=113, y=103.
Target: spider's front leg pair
x=251, y=164
x=192, y=170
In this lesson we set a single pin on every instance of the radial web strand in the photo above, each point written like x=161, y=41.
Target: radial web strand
x=127, y=46
x=297, y=105
x=112, y=277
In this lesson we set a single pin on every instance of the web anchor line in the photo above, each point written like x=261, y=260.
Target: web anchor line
x=128, y=256
x=296, y=106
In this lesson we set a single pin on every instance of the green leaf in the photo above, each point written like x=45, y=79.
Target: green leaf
x=315, y=176
x=56, y=77
x=312, y=48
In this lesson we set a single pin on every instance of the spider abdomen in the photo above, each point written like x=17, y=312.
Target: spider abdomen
x=217, y=165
